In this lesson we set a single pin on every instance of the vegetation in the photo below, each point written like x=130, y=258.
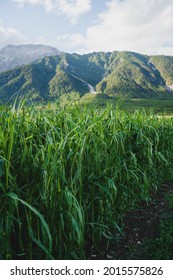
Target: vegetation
x=63, y=83
x=30, y=80
x=159, y=105
x=69, y=174
x=163, y=63
x=131, y=74
x=118, y=73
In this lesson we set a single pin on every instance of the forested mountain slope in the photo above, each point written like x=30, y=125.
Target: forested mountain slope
x=126, y=73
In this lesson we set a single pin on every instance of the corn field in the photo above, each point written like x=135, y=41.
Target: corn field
x=68, y=175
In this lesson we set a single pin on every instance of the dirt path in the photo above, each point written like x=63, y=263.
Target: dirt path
x=140, y=225
x=143, y=224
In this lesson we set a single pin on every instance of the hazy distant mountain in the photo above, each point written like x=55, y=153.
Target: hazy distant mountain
x=13, y=56
x=127, y=73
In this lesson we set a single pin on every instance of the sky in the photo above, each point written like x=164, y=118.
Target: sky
x=83, y=26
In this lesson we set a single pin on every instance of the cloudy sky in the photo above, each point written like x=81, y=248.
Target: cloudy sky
x=82, y=26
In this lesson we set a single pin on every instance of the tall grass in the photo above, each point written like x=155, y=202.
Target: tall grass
x=67, y=176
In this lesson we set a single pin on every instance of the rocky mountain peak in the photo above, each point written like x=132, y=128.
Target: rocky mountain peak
x=12, y=56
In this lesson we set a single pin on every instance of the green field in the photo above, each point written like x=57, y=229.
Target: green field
x=160, y=105
x=164, y=106
x=68, y=176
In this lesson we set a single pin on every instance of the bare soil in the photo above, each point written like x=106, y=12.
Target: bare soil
x=140, y=225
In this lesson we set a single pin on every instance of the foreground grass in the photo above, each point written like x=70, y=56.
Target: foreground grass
x=68, y=175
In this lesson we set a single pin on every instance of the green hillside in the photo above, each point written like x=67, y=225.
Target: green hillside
x=131, y=74
x=164, y=65
x=31, y=79
x=117, y=73
x=63, y=83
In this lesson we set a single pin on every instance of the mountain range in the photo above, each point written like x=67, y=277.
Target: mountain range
x=13, y=56
x=47, y=74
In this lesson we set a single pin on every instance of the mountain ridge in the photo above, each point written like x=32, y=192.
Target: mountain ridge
x=113, y=73
x=12, y=56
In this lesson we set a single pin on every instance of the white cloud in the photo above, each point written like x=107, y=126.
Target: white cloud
x=10, y=36
x=21, y=3
x=138, y=25
x=71, y=42
x=70, y=8
x=42, y=40
x=143, y=26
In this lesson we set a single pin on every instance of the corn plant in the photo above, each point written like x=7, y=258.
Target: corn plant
x=68, y=175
